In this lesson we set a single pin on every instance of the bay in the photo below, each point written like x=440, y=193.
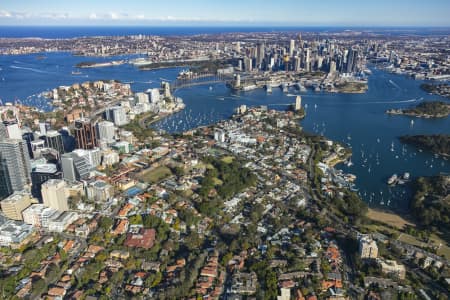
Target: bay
x=358, y=120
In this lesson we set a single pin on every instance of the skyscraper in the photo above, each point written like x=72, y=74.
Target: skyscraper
x=106, y=131
x=117, y=115
x=352, y=60
x=15, y=164
x=3, y=132
x=85, y=134
x=40, y=174
x=13, y=130
x=260, y=53
x=54, y=194
x=54, y=140
x=291, y=48
x=298, y=103
x=75, y=167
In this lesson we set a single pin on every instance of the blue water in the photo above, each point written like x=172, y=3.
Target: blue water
x=79, y=31
x=357, y=120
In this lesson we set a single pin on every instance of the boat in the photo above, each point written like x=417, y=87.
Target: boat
x=268, y=89
x=76, y=73
x=349, y=163
x=412, y=122
x=406, y=176
x=393, y=179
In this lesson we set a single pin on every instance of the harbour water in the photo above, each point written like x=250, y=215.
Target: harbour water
x=358, y=120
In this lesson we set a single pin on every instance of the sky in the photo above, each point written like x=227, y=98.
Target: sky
x=425, y=13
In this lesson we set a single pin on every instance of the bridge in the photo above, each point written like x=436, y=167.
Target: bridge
x=199, y=79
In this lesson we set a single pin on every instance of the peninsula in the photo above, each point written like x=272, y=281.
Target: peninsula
x=429, y=109
x=438, y=144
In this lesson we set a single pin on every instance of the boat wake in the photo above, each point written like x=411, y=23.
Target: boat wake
x=391, y=102
x=30, y=69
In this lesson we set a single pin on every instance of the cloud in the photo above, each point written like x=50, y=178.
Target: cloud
x=5, y=14
x=115, y=17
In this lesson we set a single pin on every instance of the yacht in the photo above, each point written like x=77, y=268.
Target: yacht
x=393, y=179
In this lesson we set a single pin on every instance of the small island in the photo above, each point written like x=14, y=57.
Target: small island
x=437, y=89
x=91, y=64
x=438, y=144
x=429, y=109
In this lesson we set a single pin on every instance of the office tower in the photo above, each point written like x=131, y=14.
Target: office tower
x=28, y=137
x=15, y=164
x=298, y=103
x=297, y=63
x=13, y=131
x=54, y=194
x=352, y=58
x=238, y=47
x=332, y=67
x=36, y=148
x=40, y=174
x=85, y=134
x=237, y=83
x=141, y=98
x=54, y=140
x=259, y=55
x=43, y=127
x=248, y=65
x=13, y=206
x=106, y=131
x=166, y=89
x=117, y=115
x=154, y=95
x=75, y=167
x=367, y=247
x=291, y=48
x=3, y=132
x=308, y=60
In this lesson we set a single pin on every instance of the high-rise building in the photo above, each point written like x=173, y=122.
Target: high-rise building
x=141, y=98
x=40, y=174
x=352, y=60
x=298, y=103
x=367, y=247
x=13, y=206
x=248, y=64
x=15, y=165
x=166, y=89
x=3, y=132
x=291, y=48
x=154, y=95
x=106, y=131
x=260, y=53
x=238, y=47
x=43, y=127
x=117, y=115
x=85, y=134
x=75, y=167
x=53, y=139
x=54, y=194
x=13, y=130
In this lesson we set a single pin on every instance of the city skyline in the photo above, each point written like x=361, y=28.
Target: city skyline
x=232, y=13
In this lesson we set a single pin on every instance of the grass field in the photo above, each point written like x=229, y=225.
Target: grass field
x=398, y=222
x=155, y=175
x=388, y=218
x=228, y=159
